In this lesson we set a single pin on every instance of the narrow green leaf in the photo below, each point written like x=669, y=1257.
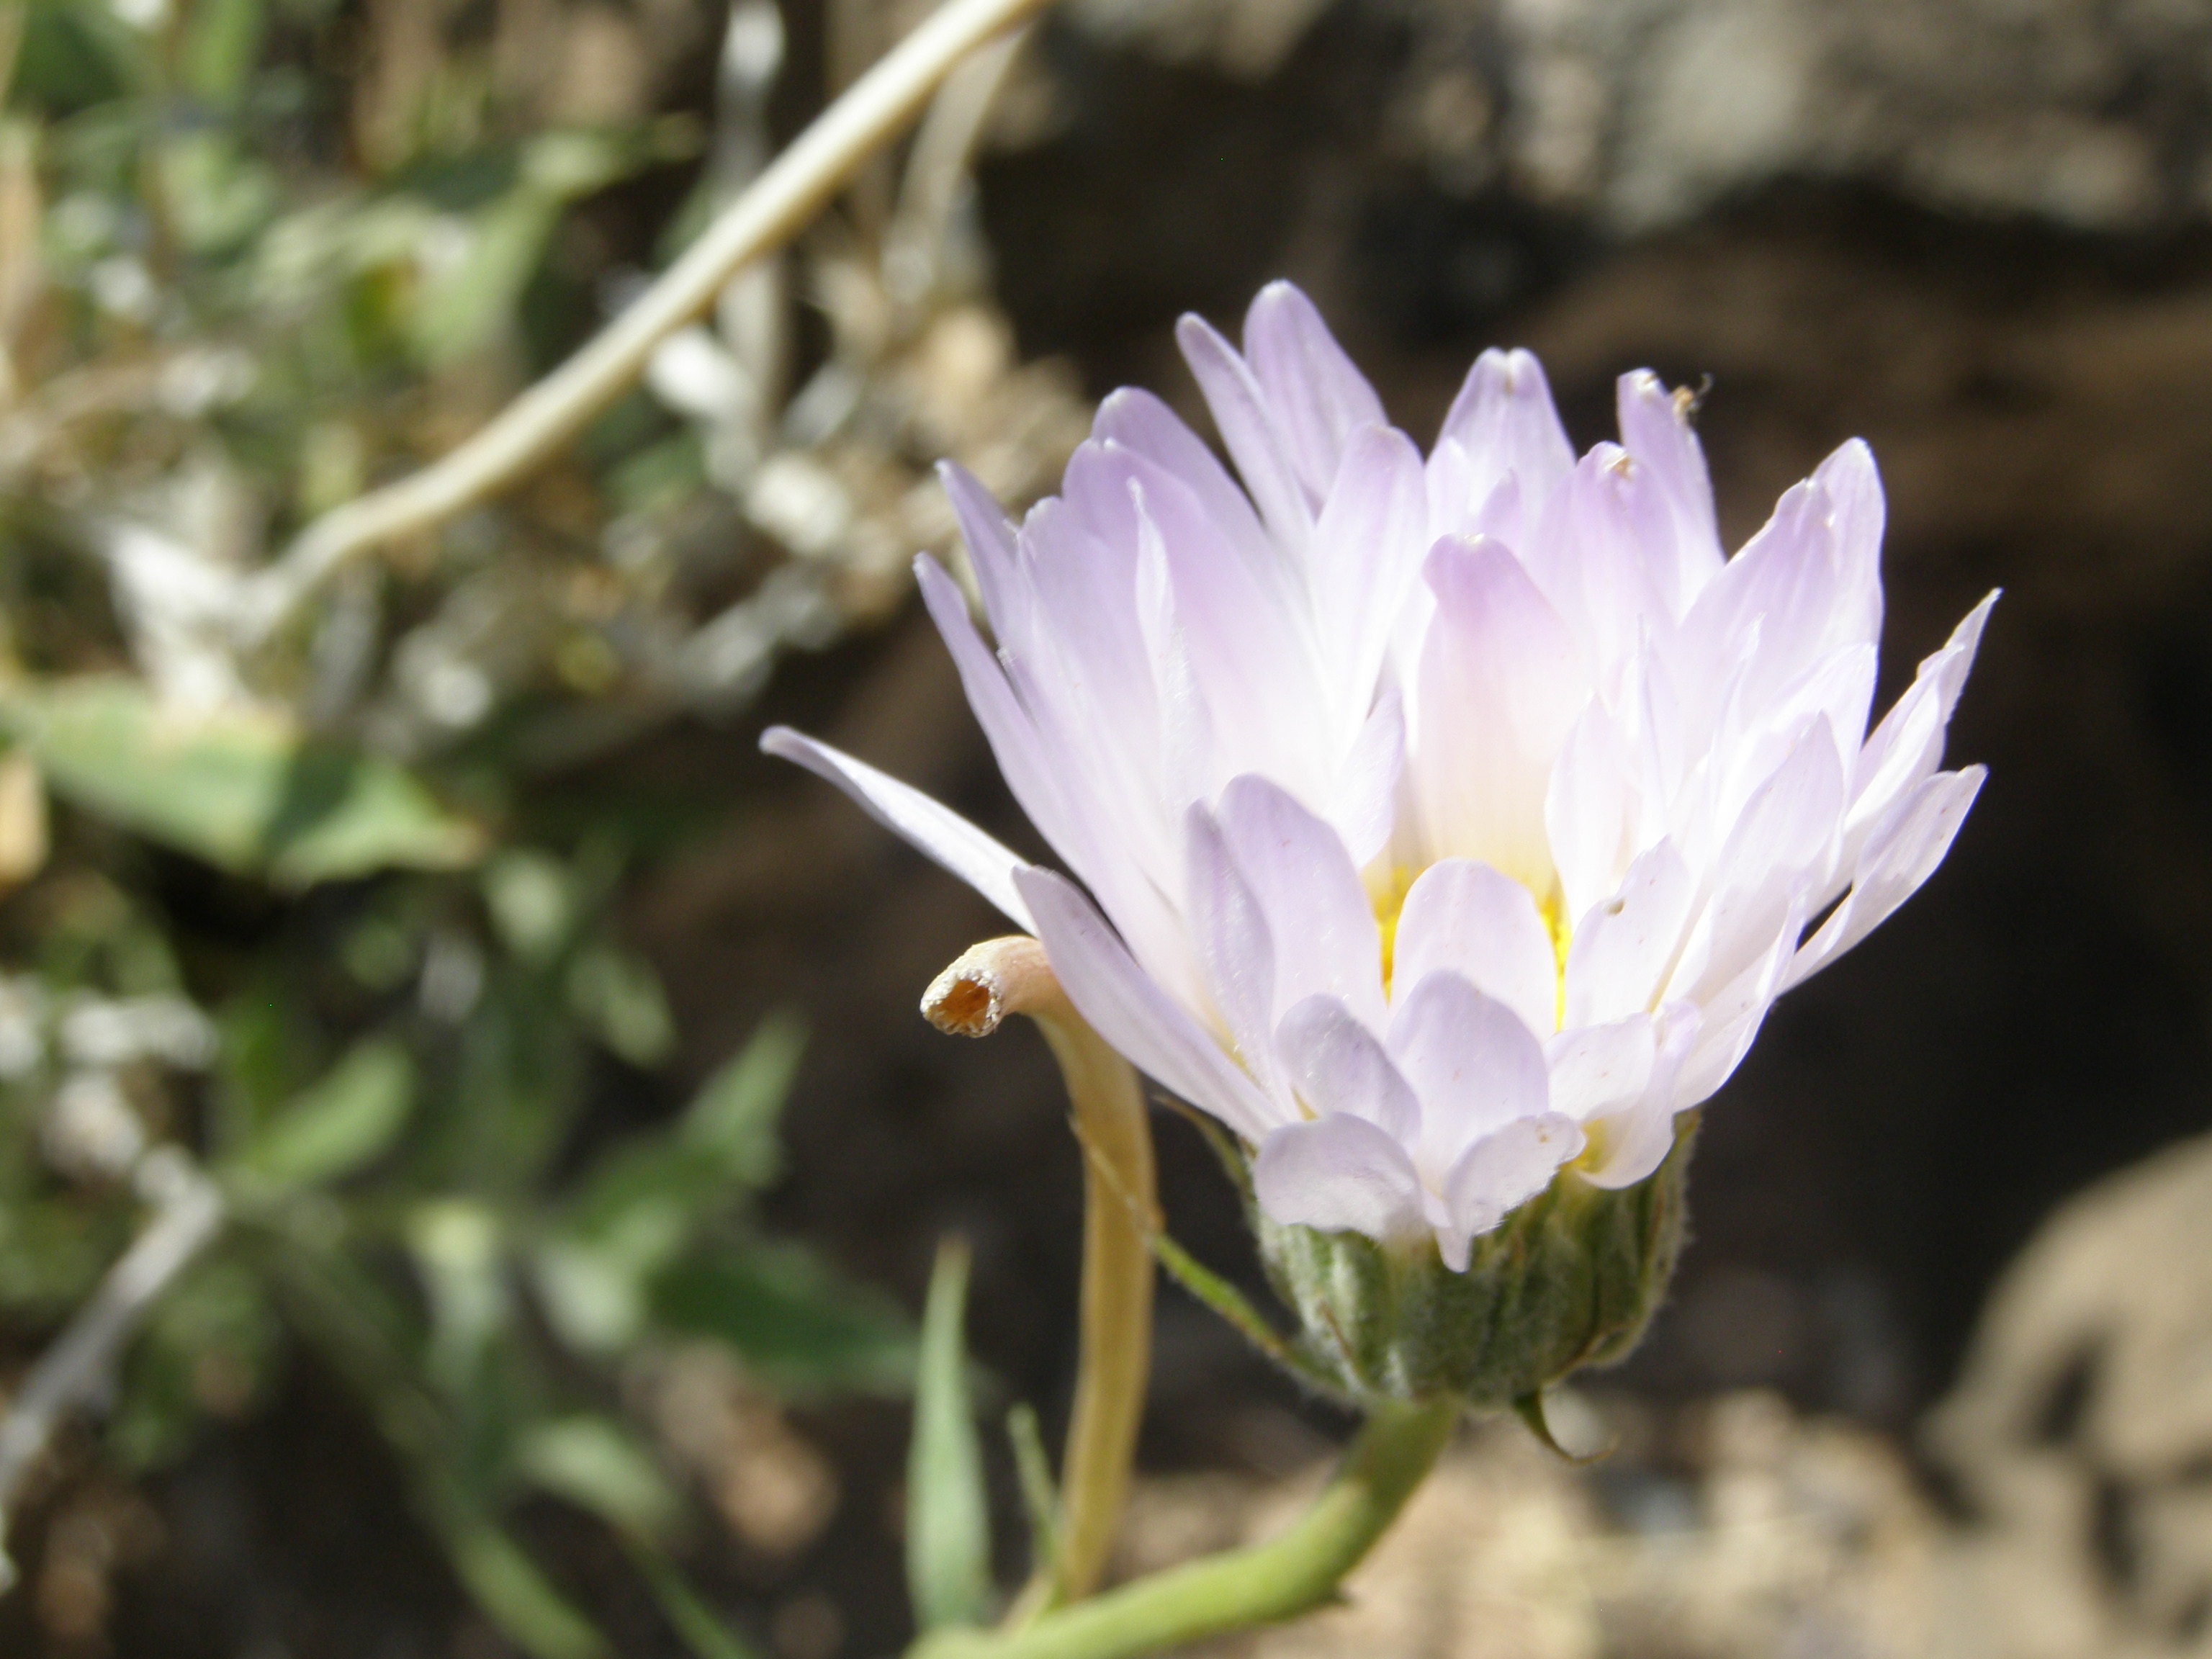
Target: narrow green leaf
x=948, y=1530
x=243, y=789
x=598, y=1467
x=698, y=1626
x=734, y=1114
x=1040, y=1496
x=340, y=1124
x=1232, y=1304
x=517, y=1596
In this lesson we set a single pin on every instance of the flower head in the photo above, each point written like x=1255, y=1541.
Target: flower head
x=1447, y=823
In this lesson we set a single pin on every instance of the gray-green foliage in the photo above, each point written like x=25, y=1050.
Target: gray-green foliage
x=251, y=284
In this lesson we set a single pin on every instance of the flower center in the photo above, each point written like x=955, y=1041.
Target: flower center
x=1389, y=897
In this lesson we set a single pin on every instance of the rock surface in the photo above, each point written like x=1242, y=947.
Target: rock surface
x=1641, y=113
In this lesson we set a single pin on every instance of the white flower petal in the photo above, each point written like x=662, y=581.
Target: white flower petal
x=1500, y=1173
x=1590, y=810
x=1901, y=853
x=992, y=551
x=1504, y=420
x=1729, y=1020
x=1786, y=583
x=1467, y=919
x=1625, y=945
x=1474, y=1067
x=981, y=860
x=1249, y=658
x=1141, y=422
x=1363, y=802
x=1854, y=488
x=1631, y=1145
x=1500, y=685
x=1655, y=429
x=1908, y=745
x=1780, y=852
x=1368, y=547
x=1249, y=433
x=1132, y=1012
x=1235, y=950
x=1317, y=397
x=1628, y=1145
x=1601, y=548
x=1325, y=936
x=1339, y=1173
x=1599, y=1070
x=1340, y=1066
x=1013, y=735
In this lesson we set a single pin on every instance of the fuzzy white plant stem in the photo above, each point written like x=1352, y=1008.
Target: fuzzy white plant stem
x=777, y=206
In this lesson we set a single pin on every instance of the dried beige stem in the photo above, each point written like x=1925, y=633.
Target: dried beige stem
x=1011, y=976
x=781, y=203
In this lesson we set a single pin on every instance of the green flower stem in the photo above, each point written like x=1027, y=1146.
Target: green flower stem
x=1294, y=1572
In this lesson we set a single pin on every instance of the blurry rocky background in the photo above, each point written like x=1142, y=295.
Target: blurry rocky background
x=554, y=1055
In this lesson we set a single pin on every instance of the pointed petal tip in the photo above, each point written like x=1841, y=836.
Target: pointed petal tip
x=1193, y=333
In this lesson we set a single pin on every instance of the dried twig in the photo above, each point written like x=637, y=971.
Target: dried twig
x=188, y=1213
x=777, y=206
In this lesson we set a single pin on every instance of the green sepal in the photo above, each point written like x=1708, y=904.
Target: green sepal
x=1569, y=1279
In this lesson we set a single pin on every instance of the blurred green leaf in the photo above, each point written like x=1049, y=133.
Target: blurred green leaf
x=735, y=1113
x=644, y=1202
x=594, y=1464
x=619, y=997
x=510, y=1586
x=459, y=1248
x=701, y=1630
x=948, y=1525
x=533, y=901
x=645, y=1196
x=74, y=55
x=246, y=790
x=665, y=473
x=218, y=196
x=594, y=1296
x=221, y=42
x=338, y=1124
x=52, y=1251
x=207, y=1349
x=794, y=1320
x=468, y=305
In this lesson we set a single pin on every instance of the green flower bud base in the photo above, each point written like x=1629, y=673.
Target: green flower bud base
x=1569, y=1279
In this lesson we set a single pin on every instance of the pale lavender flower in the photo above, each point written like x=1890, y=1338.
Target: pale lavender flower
x=1452, y=822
